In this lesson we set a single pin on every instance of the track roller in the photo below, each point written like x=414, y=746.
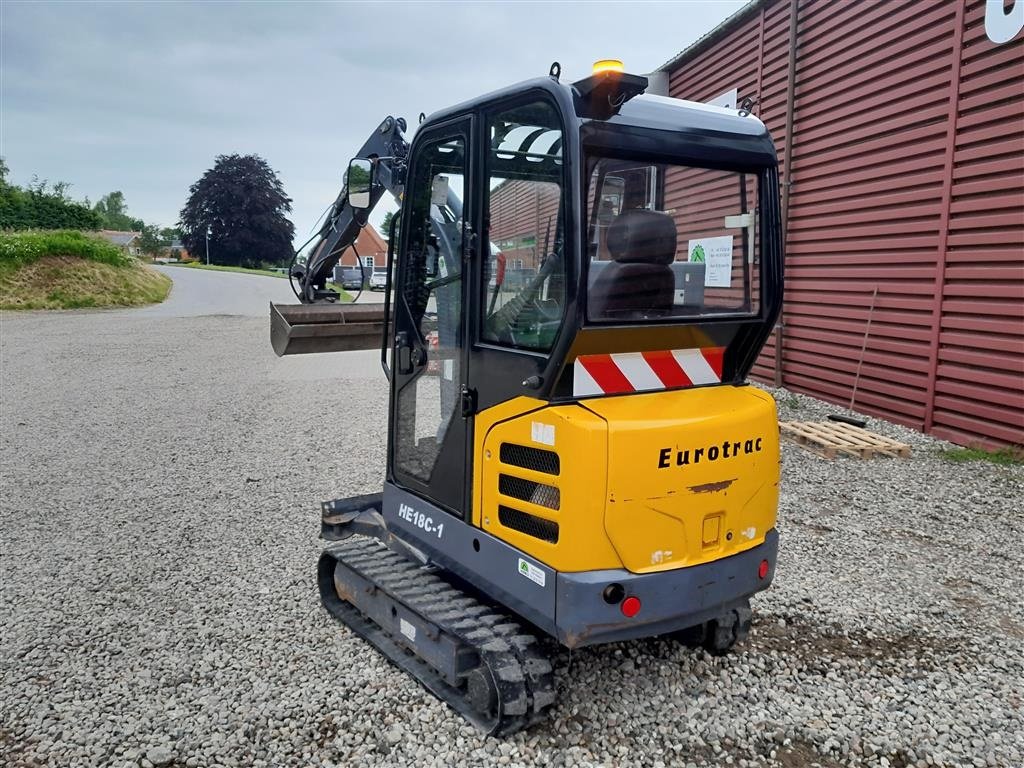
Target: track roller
x=719, y=635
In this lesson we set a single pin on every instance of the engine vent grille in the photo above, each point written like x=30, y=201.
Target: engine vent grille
x=529, y=524
x=536, y=459
x=527, y=490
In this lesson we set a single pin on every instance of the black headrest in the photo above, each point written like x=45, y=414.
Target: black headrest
x=642, y=237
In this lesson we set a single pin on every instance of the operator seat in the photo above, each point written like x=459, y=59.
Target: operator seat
x=639, y=279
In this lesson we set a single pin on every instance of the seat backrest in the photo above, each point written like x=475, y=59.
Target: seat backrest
x=639, y=279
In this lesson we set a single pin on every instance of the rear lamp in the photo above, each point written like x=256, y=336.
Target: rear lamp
x=613, y=594
x=630, y=607
x=762, y=569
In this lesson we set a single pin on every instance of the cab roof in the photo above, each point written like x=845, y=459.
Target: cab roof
x=646, y=124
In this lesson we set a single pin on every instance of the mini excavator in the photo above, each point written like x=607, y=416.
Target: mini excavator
x=579, y=281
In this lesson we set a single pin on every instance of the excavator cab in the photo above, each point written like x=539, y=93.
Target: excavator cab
x=580, y=280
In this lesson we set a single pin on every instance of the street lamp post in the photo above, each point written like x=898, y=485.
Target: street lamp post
x=207, y=245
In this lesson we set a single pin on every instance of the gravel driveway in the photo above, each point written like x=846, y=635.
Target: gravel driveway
x=159, y=490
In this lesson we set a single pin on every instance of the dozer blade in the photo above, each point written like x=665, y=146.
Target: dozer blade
x=300, y=329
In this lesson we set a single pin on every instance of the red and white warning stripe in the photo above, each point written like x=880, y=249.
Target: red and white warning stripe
x=646, y=371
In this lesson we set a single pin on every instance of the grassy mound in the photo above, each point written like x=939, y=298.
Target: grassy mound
x=69, y=270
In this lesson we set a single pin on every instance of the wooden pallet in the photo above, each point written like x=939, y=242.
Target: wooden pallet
x=828, y=439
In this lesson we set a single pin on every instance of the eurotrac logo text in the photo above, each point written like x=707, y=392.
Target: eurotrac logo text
x=667, y=457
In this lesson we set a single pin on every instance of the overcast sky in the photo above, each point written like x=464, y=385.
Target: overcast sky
x=141, y=96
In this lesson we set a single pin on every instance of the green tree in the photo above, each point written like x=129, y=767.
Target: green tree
x=39, y=208
x=170, y=234
x=60, y=191
x=114, y=212
x=242, y=204
x=385, y=226
x=151, y=241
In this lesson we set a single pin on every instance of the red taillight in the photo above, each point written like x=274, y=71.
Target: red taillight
x=762, y=569
x=630, y=607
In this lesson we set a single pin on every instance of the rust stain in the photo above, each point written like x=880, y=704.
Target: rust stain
x=721, y=485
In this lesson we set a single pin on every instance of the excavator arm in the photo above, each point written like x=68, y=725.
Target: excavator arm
x=387, y=149
x=319, y=323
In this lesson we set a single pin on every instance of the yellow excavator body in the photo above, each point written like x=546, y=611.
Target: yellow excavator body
x=646, y=482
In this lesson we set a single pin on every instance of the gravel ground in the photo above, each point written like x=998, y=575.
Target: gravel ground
x=159, y=491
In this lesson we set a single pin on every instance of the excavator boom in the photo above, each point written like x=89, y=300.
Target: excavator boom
x=386, y=148
x=320, y=323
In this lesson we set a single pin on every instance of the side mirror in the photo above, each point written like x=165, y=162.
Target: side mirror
x=359, y=182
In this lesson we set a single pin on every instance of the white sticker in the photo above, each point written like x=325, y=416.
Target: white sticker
x=716, y=254
x=449, y=369
x=407, y=629
x=749, y=533
x=543, y=433
x=439, y=191
x=531, y=571
x=661, y=556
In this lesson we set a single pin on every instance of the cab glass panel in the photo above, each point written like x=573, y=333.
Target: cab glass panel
x=524, y=269
x=670, y=241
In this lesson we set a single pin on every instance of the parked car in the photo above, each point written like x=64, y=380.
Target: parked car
x=378, y=280
x=349, y=278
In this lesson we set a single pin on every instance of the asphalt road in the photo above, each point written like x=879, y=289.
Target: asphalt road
x=211, y=293
x=198, y=292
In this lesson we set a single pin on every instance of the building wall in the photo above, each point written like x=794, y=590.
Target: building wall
x=905, y=235
x=523, y=220
x=369, y=243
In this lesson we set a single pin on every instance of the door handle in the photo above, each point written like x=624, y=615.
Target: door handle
x=403, y=362
x=410, y=356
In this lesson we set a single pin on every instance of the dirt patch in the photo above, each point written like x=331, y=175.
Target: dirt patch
x=964, y=593
x=818, y=644
x=1011, y=627
x=814, y=527
x=803, y=755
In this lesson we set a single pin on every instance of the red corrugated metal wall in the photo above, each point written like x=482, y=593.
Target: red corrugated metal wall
x=979, y=390
x=905, y=236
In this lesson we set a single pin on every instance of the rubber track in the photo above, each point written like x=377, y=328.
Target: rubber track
x=519, y=667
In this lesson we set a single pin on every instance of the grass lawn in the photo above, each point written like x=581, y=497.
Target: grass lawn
x=1005, y=456
x=343, y=295
x=63, y=269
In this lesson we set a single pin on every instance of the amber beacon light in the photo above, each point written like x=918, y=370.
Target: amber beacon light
x=608, y=65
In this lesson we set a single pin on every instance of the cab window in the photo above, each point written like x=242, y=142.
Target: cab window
x=669, y=241
x=524, y=268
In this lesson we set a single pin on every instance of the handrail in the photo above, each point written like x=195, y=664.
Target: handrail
x=387, y=297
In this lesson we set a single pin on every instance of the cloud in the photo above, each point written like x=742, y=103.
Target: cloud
x=142, y=96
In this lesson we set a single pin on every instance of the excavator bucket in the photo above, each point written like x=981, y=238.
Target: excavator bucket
x=300, y=329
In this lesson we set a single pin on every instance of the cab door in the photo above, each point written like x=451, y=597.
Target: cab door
x=428, y=442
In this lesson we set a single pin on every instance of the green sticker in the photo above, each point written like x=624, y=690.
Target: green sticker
x=697, y=254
